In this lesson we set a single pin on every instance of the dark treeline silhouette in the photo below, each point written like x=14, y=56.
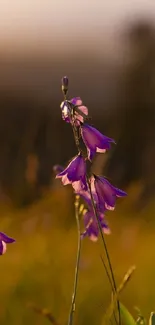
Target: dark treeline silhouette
x=134, y=156
x=120, y=98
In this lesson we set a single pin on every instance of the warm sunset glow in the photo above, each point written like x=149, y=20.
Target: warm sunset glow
x=39, y=22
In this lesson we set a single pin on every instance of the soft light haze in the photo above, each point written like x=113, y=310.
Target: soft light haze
x=37, y=23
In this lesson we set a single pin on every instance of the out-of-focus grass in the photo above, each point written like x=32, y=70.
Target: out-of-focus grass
x=39, y=267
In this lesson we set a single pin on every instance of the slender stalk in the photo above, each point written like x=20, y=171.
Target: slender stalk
x=105, y=247
x=114, y=288
x=72, y=309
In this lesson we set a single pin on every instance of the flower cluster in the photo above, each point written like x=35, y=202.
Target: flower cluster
x=93, y=187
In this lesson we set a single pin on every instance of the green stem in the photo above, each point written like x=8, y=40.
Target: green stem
x=72, y=309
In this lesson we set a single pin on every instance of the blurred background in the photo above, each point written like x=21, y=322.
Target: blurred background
x=107, y=50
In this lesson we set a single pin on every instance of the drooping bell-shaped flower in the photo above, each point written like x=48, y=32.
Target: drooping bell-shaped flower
x=75, y=174
x=73, y=109
x=4, y=239
x=106, y=192
x=94, y=140
x=91, y=225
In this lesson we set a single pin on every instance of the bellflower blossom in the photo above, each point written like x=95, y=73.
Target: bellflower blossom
x=106, y=192
x=4, y=239
x=91, y=225
x=75, y=173
x=76, y=104
x=89, y=218
x=94, y=140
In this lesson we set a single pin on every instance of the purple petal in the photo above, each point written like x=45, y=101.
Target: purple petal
x=105, y=227
x=94, y=140
x=65, y=112
x=76, y=101
x=120, y=193
x=75, y=173
x=80, y=118
x=1, y=248
x=91, y=225
x=107, y=193
x=72, y=165
x=6, y=239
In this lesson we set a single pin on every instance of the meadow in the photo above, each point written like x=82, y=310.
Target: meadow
x=39, y=268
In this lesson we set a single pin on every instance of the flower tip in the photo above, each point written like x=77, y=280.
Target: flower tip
x=107, y=231
x=93, y=238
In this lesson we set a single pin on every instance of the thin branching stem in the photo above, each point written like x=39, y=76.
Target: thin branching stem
x=72, y=309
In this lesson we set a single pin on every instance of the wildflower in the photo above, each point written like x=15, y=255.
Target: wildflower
x=75, y=109
x=94, y=140
x=75, y=174
x=4, y=239
x=106, y=192
x=91, y=225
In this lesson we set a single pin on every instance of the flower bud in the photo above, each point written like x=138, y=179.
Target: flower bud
x=64, y=82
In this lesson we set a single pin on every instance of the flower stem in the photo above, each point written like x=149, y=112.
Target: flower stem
x=114, y=287
x=72, y=309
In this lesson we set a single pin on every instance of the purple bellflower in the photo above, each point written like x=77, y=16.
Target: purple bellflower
x=89, y=218
x=75, y=174
x=66, y=107
x=94, y=140
x=91, y=225
x=106, y=192
x=4, y=239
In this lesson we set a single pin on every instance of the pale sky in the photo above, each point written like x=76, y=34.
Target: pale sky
x=37, y=22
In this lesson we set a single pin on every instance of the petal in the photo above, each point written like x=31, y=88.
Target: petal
x=6, y=239
x=93, y=231
x=87, y=218
x=2, y=247
x=65, y=180
x=105, y=227
x=79, y=186
x=79, y=117
x=75, y=172
x=100, y=150
x=72, y=164
x=65, y=112
x=76, y=101
x=120, y=193
x=94, y=140
x=93, y=237
x=105, y=192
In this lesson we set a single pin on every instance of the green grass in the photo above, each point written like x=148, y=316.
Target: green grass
x=39, y=267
